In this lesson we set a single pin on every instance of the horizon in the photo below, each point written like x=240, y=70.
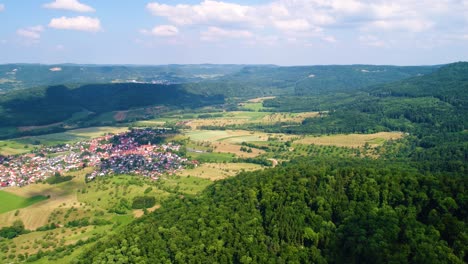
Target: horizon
x=239, y=32
x=221, y=64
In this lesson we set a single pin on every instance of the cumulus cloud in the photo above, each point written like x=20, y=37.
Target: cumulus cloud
x=206, y=12
x=315, y=19
x=162, y=31
x=216, y=33
x=80, y=23
x=292, y=25
x=412, y=25
x=370, y=40
x=33, y=33
x=2, y=7
x=72, y=5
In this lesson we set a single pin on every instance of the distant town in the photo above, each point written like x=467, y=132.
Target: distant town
x=137, y=152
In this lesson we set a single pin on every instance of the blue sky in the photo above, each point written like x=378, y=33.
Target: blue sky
x=283, y=32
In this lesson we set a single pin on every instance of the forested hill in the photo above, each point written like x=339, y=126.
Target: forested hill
x=319, y=211
x=42, y=106
x=432, y=109
x=21, y=76
x=251, y=81
x=433, y=103
x=449, y=84
x=229, y=80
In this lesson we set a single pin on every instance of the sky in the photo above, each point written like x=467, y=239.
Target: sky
x=282, y=32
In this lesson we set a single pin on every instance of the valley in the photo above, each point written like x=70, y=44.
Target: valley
x=192, y=167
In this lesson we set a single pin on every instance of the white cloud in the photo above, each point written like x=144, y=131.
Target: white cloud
x=2, y=7
x=33, y=33
x=206, y=12
x=81, y=23
x=412, y=25
x=162, y=31
x=72, y=5
x=292, y=25
x=370, y=40
x=307, y=19
x=329, y=39
x=216, y=33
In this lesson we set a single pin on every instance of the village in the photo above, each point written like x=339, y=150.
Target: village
x=130, y=152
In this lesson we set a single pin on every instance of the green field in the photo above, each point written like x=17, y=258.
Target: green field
x=11, y=202
x=12, y=147
x=211, y=156
x=25, y=144
x=205, y=135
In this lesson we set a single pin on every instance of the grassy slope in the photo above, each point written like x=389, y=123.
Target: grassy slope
x=12, y=202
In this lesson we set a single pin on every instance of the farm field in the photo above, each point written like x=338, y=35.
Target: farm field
x=351, y=140
x=229, y=141
x=253, y=116
x=13, y=147
x=12, y=202
x=25, y=144
x=248, y=117
x=63, y=195
x=233, y=136
x=218, y=171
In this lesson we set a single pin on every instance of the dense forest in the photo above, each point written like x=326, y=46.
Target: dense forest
x=230, y=80
x=407, y=206
x=52, y=104
x=251, y=81
x=24, y=76
x=310, y=211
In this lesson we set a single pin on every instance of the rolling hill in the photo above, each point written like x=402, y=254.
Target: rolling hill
x=53, y=104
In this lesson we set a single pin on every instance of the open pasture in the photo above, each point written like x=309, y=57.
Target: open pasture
x=63, y=195
x=234, y=148
x=218, y=171
x=351, y=140
x=12, y=147
x=217, y=156
x=248, y=117
x=229, y=141
x=233, y=136
x=92, y=132
x=25, y=144
x=106, y=192
x=10, y=201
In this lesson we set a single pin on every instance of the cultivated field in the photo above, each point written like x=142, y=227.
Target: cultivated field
x=26, y=144
x=12, y=147
x=10, y=201
x=229, y=141
x=351, y=140
x=233, y=136
x=217, y=171
x=241, y=118
x=62, y=195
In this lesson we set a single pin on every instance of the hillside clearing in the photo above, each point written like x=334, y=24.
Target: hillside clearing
x=218, y=171
x=11, y=201
x=351, y=140
x=62, y=195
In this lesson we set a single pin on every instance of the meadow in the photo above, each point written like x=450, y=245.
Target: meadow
x=26, y=144
x=12, y=202
x=218, y=171
x=351, y=140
